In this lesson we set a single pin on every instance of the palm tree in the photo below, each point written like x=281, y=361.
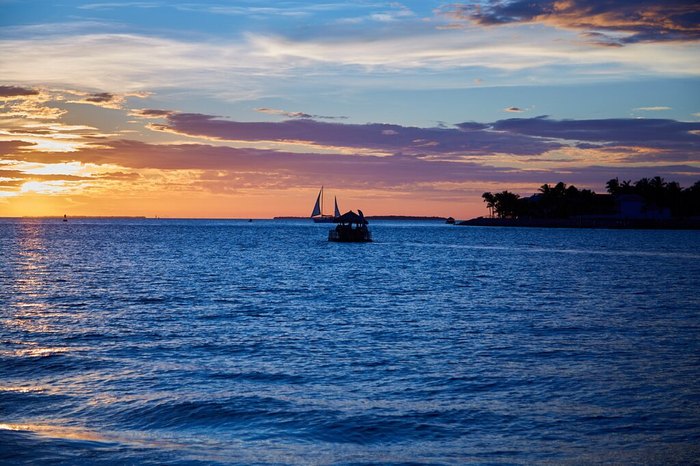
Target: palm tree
x=490, y=201
x=506, y=204
x=613, y=186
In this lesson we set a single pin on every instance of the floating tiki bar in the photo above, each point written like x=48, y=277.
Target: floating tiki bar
x=351, y=228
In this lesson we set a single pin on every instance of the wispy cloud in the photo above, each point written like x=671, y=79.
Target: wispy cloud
x=279, y=9
x=258, y=63
x=651, y=109
x=395, y=12
x=288, y=114
x=115, y=5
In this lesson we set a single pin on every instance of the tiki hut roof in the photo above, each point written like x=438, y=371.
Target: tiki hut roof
x=351, y=217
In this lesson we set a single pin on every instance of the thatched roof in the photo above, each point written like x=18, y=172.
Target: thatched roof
x=351, y=217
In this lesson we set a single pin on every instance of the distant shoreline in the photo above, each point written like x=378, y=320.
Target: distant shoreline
x=378, y=217
x=142, y=217
x=52, y=217
x=603, y=223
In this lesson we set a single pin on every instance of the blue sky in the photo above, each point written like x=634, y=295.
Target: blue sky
x=85, y=70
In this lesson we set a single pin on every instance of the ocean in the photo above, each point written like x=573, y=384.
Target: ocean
x=145, y=341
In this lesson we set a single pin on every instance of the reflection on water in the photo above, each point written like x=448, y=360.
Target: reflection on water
x=61, y=432
x=165, y=342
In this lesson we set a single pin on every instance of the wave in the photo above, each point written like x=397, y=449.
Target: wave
x=176, y=414
x=15, y=404
x=266, y=418
x=262, y=377
x=48, y=363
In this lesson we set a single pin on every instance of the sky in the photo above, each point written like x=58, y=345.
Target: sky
x=244, y=109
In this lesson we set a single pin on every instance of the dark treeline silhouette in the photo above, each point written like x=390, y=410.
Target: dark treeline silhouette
x=655, y=197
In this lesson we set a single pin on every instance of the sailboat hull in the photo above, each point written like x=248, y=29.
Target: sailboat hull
x=323, y=219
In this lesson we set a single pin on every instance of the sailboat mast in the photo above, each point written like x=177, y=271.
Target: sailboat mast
x=321, y=200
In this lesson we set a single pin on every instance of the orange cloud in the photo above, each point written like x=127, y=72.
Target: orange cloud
x=630, y=21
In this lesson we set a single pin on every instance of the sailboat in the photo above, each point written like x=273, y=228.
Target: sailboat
x=317, y=214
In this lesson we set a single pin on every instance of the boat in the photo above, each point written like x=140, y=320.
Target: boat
x=450, y=221
x=317, y=215
x=65, y=218
x=351, y=228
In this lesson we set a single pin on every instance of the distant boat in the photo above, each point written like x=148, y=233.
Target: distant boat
x=450, y=221
x=65, y=218
x=317, y=214
x=352, y=228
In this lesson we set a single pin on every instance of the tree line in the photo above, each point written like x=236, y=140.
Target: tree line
x=562, y=201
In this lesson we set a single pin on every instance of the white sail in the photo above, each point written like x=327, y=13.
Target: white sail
x=337, y=212
x=317, y=207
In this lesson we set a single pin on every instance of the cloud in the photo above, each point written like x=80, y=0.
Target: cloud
x=257, y=64
x=466, y=139
x=619, y=130
x=105, y=99
x=204, y=167
x=22, y=102
x=274, y=111
x=598, y=38
x=285, y=113
x=22, y=176
x=672, y=139
x=636, y=20
x=150, y=113
x=397, y=12
x=641, y=139
x=101, y=99
x=651, y=109
x=11, y=146
x=13, y=92
x=513, y=110
x=111, y=6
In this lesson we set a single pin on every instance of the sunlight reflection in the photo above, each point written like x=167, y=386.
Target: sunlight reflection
x=27, y=269
x=64, y=432
x=79, y=433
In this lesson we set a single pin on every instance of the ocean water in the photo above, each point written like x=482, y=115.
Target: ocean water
x=205, y=342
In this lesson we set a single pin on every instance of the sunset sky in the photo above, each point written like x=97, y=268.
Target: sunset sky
x=245, y=108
